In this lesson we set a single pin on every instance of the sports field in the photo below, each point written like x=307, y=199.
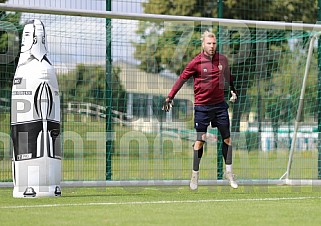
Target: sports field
x=210, y=205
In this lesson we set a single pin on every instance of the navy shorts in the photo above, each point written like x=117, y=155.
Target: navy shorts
x=216, y=115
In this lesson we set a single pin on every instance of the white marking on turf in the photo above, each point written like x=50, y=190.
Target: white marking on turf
x=158, y=202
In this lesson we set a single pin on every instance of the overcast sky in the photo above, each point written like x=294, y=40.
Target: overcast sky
x=82, y=40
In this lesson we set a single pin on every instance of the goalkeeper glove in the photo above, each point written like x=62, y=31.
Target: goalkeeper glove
x=168, y=104
x=234, y=96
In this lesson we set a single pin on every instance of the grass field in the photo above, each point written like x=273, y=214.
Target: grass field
x=210, y=205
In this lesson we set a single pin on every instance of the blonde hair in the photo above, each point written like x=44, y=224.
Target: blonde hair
x=207, y=34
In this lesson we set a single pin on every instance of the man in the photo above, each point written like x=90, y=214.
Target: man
x=210, y=71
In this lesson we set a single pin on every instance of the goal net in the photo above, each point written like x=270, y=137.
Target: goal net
x=114, y=71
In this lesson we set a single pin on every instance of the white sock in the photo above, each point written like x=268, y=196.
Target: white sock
x=228, y=168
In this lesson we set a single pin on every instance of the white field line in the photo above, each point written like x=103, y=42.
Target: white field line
x=158, y=202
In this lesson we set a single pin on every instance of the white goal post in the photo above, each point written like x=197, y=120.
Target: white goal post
x=300, y=107
x=158, y=17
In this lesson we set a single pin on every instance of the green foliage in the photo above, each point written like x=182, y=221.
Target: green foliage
x=8, y=70
x=181, y=7
x=159, y=40
x=172, y=49
x=163, y=44
x=285, y=10
x=87, y=83
x=281, y=93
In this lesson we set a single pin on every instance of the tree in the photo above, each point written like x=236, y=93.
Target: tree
x=7, y=70
x=87, y=84
x=288, y=11
x=160, y=40
x=267, y=10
